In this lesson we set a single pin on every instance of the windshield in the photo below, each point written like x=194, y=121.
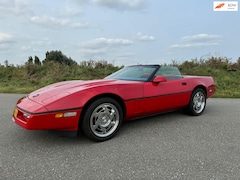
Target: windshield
x=135, y=73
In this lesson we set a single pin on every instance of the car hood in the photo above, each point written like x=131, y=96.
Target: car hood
x=54, y=92
x=64, y=88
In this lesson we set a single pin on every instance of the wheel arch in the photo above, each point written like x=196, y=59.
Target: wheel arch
x=190, y=109
x=109, y=95
x=201, y=87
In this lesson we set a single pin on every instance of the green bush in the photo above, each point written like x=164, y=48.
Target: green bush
x=34, y=74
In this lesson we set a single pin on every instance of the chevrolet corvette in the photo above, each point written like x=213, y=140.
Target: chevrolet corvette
x=98, y=107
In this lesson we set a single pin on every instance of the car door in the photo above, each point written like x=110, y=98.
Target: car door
x=172, y=94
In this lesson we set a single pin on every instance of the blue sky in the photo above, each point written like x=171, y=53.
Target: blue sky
x=122, y=32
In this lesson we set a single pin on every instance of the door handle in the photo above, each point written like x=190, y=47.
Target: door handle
x=184, y=83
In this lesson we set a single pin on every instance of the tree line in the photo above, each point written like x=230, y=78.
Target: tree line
x=55, y=56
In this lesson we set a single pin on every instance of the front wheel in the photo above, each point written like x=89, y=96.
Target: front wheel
x=197, y=103
x=102, y=119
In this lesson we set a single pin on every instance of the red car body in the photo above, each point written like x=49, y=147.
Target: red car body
x=60, y=106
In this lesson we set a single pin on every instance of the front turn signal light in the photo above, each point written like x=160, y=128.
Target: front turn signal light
x=66, y=114
x=59, y=115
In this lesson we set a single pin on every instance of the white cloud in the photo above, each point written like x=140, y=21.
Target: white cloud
x=20, y=6
x=93, y=51
x=142, y=37
x=48, y=21
x=190, y=45
x=6, y=38
x=26, y=48
x=122, y=4
x=42, y=42
x=100, y=42
x=79, y=25
x=117, y=4
x=200, y=37
x=28, y=44
x=72, y=12
x=17, y=7
x=198, y=40
x=103, y=45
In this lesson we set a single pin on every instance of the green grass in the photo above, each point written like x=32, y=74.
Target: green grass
x=29, y=77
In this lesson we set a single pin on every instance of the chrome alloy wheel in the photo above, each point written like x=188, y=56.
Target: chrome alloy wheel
x=104, y=120
x=199, y=102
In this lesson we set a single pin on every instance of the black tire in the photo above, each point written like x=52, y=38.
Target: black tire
x=102, y=119
x=197, y=103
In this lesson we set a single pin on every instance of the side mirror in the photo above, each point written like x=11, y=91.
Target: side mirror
x=159, y=79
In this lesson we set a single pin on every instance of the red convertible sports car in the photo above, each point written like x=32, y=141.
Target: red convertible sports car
x=98, y=107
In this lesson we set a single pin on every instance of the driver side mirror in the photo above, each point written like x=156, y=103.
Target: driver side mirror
x=159, y=79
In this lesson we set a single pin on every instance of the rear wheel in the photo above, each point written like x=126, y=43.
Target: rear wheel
x=102, y=119
x=197, y=103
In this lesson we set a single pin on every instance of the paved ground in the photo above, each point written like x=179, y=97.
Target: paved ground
x=168, y=146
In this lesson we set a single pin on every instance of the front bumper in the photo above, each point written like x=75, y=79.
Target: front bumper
x=46, y=120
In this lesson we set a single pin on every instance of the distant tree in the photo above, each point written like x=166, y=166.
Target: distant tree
x=37, y=61
x=30, y=59
x=6, y=63
x=31, y=66
x=238, y=60
x=59, y=57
